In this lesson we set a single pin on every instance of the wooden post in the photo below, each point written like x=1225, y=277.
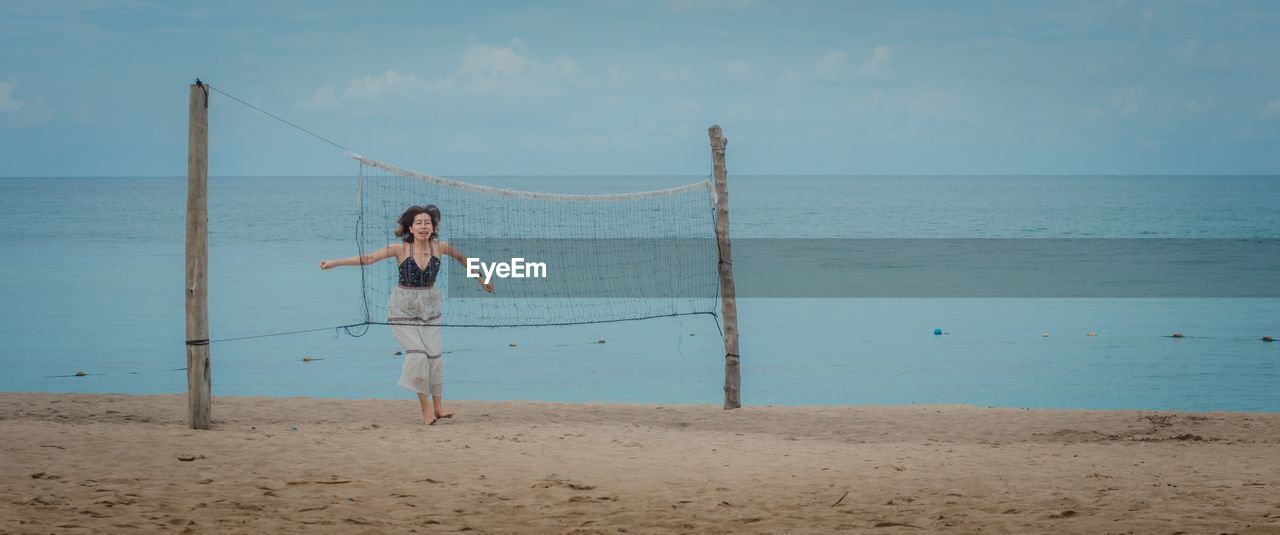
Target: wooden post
x=197, y=283
x=728, y=303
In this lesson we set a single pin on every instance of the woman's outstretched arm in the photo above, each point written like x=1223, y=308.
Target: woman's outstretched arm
x=449, y=250
x=376, y=256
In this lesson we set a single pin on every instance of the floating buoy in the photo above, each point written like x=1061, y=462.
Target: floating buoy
x=80, y=374
x=512, y=344
x=1268, y=339
x=937, y=332
x=398, y=353
x=1092, y=334
x=306, y=358
x=1176, y=335
x=600, y=341
x=1045, y=334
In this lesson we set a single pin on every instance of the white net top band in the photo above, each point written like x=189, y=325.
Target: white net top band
x=706, y=184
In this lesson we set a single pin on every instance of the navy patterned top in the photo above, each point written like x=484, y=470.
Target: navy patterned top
x=411, y=276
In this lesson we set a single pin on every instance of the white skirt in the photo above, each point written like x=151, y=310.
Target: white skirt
x=414, y=315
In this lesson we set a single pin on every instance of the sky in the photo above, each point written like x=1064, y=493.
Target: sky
x=621, y=87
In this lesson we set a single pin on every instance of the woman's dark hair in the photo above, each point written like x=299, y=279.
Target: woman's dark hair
x=406, y=221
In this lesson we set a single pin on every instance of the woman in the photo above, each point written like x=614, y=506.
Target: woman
x=415, y=306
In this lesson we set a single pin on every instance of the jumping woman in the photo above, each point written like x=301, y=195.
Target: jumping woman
x=415, y=307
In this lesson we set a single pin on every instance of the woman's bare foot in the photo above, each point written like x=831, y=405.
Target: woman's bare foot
x=427, y=418
x=437, y=404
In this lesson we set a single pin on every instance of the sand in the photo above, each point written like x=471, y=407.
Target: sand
x=117, y=463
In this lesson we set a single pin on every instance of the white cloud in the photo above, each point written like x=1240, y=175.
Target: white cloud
x=564, y=66
x=1189, y=50
x=1197, y=106
x=510, y=70
x=1272, y=110
x=489, y=62
x=877, y=66
x=676, y=76
x=740, y=70
x=375, y=86
x=324, y=98
x=1127, y=100
x=481, y=69
x=372, y=88
x=1206, y=56
x=9, y=103
x=832, y=63
x=21, y=112
x=791, y=77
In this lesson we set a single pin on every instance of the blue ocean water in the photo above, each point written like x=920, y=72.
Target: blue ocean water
x=92, y=281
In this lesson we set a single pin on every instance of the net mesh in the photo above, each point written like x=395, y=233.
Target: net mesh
x=603, y=257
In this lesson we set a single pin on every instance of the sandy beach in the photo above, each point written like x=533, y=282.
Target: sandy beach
x=118, y=463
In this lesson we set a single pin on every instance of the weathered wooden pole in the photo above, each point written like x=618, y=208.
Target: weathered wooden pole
x=728, y=303
x=198, y=257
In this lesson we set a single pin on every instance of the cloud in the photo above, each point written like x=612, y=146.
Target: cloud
x=1198, y=106
x=564, y=65
x=679, y=75
x=740, y=70
x=375, y=86
x=487, y=62
x=21, y=112
x=372, y=88
x=1189, y=50
x=324, y=98
x=1272, y=110
x=8, y=103
x=1208, y=57
x=483, y=69
x=1127, y=100
x=877, y=66
x=486, y=69
x=833, y=65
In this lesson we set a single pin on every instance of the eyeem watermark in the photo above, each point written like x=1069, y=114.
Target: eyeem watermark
x=516, y=269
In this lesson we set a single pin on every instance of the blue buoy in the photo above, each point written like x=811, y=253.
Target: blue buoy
x=937, y=332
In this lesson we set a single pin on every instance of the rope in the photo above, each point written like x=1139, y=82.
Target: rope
x=204, y=88
x=586, y=322
x=527, y=194
x=346, y=328
x=273, y=116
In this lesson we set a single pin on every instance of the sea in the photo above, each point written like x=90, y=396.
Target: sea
x=91, y=286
